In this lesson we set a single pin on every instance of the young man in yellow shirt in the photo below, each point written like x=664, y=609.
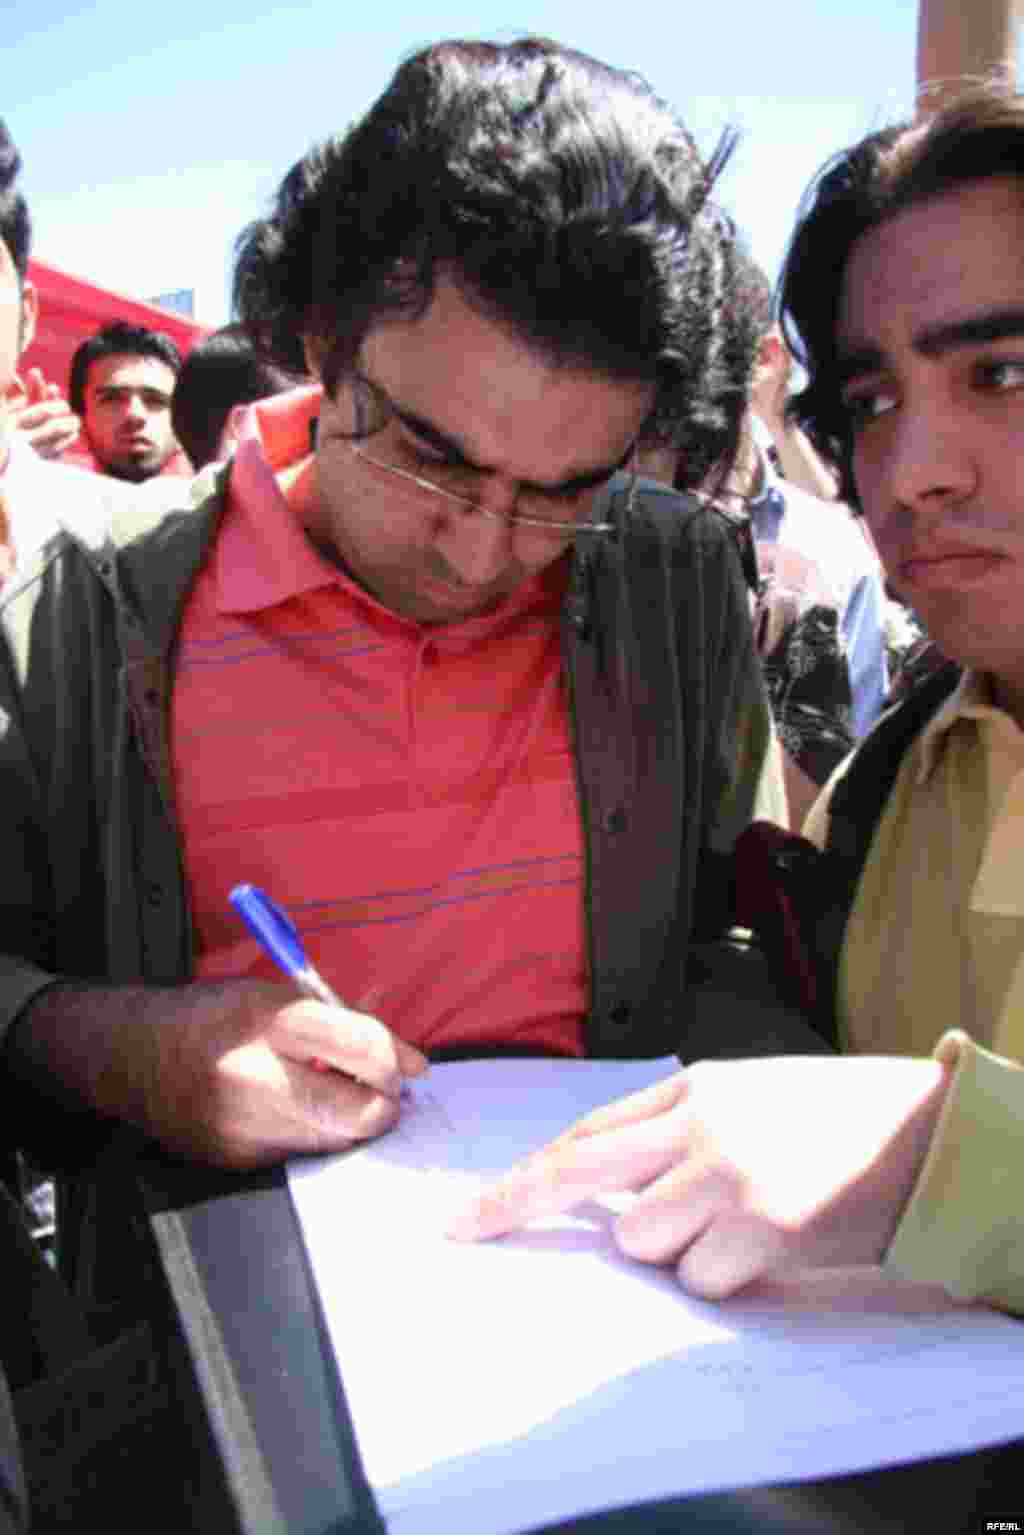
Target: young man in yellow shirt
x=904, y=296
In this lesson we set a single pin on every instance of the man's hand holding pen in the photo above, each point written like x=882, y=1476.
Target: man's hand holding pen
x=239, y=1072
x=253, y=1054
x=222, y=1071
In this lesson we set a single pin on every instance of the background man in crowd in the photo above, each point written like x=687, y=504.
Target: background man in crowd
x=905, y=289
x=371, y=678
x=120, y=385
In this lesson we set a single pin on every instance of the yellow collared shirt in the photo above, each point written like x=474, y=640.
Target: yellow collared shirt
x=934, y=951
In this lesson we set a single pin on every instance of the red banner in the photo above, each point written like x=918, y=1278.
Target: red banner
x=71, y=309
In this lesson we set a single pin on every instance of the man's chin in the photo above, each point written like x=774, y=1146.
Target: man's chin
x=134, y=470
x=437, y=602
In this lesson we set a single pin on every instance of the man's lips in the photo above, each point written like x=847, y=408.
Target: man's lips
x=947, y=566
x=468, y=599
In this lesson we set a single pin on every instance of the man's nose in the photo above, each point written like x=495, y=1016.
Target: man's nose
x=135, y=408
x=929, y=460
x=477, y=545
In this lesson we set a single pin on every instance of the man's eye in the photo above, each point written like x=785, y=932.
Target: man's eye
x=564, y=494
x=425, y=452
x=1004, y=374
x=868, y=406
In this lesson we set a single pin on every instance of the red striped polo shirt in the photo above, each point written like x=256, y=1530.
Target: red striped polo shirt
x=407, y=793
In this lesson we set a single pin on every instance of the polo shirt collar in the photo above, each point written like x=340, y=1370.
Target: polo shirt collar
x=263, y=556
x=971, y=699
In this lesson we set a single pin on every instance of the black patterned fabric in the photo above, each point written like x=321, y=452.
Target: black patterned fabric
x=808, y=683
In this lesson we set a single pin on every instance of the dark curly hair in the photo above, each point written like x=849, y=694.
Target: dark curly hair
x=980, y=135
x=563, y=194
x=220, y=372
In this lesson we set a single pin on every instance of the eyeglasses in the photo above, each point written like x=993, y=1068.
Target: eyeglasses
x=461, y=483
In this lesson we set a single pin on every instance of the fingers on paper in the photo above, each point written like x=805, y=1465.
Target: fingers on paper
x=673, y=1211
x=695, y=1216
x=621, y=1146
x=353, y=1043
x=728, y=1255
x=660, y=1098
x=268, y=1106
x=344, y=1111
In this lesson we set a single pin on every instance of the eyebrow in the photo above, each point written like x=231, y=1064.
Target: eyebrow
x=148, y=391
x=449, y=445
x=936, y=341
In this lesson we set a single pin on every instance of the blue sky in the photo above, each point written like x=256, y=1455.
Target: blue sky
x=152, y=134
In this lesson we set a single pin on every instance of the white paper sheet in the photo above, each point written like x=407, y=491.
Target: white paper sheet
x=497, y=1387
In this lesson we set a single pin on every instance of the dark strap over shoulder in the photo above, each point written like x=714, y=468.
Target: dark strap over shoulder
x=860, y=795
x=797, y=899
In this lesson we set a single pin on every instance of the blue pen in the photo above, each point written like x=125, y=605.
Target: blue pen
x=277, y=933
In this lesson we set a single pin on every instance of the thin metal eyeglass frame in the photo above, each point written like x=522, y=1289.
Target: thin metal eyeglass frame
x=510, y=519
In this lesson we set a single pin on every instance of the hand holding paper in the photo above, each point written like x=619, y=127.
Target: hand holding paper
x=741, y=1167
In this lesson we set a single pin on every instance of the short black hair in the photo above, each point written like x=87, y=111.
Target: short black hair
x=221, y=371
x=563, y=195
x=978, y=136
x=111, y=341
x=15, y=224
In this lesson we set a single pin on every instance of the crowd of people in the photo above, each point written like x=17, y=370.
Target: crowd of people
x=485, y=593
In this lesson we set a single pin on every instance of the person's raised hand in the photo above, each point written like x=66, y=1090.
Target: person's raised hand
x=40, y=413
x=769, y=387
x=740, y=1168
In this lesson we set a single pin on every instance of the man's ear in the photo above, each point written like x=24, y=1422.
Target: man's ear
x=29, y=315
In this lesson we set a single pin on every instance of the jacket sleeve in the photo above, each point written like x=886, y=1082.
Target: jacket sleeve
x=27, y=924
x=736, y=1002
x=749, y=767
x=25, y=905
x=48, y=794
x=964, y=1225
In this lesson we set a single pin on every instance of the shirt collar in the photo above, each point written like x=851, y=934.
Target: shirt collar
x=263, y=556
x=970, y=699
